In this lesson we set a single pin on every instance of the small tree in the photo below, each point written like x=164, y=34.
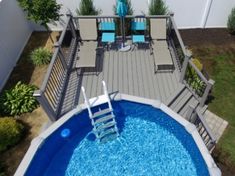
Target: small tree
x=231, y=22
x=157, y=7
x=86, y=7
x=41, y=11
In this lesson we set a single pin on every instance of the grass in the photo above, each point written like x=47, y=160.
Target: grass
x=29, y=74
x=220, y=62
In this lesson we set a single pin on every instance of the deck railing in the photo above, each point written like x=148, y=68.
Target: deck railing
x=199, y=84
x=53, y=87
x=196, y=117
x=177, y=43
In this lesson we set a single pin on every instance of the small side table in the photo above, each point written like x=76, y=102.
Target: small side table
x=107, y=38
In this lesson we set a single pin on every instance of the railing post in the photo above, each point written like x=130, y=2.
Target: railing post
x=185, y=65
x=71, y=25
x=209, y=85
x=61, y=55
x=45, y=104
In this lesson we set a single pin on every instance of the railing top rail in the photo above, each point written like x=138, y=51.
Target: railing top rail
x=178, y=35
x=199, y=73
x=205, y=125
x=127, y=16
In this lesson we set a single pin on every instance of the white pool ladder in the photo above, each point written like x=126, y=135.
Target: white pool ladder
x=103, y=121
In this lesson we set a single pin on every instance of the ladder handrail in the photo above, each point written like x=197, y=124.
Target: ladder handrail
x=107, y=95
x=86, y=101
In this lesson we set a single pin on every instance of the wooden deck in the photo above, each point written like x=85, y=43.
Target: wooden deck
x=129, y=72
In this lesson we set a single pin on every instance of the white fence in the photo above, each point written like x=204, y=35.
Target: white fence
x=14, y=34
x=188, y=13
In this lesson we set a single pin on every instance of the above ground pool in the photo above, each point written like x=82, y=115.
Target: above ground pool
x=150, y=143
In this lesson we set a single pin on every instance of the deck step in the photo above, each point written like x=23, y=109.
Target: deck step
x=183, y=102
x=174, y=96
x=103, y=119
x=102, y=112
x=193, y=102
x=107, y=125
x=109, y=137
x=178, y=99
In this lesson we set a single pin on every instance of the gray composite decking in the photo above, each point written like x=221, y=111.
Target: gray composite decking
x=129, y=72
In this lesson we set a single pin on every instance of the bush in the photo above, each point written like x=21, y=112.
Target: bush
x=11, y=132
x=158, y=7
x=197, y=63
x=41, y=56
x=86, y=7
x=231, y=22
x=18, y=100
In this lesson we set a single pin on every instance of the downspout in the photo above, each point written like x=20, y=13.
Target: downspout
x=206, y=13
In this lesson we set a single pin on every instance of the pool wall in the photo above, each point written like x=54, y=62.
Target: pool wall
x=42, y=138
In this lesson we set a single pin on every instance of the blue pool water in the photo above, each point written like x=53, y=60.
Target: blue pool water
x=150, y=143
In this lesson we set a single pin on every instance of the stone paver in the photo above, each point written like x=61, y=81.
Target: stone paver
x=217, y=124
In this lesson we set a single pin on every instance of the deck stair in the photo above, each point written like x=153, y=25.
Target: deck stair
x=181, y=99
x=103, y=121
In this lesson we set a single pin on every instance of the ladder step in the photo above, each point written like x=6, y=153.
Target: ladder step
x=102, y=112
x=107, y=132
x=107, y=125
x=104, y=119
x=109, y=137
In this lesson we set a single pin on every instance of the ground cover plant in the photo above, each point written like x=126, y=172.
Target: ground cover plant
x=41, y=56
x=18, y=100
x=217, y=55
x=11, y=132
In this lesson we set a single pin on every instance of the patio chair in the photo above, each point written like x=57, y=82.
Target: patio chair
x=159, y=45
x=88, y=47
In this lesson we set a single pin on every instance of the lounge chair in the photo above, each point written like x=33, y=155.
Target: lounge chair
x=88, y=47
x=160, y=49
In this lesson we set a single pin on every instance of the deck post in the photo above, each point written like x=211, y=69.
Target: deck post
x=185, y=65
x=45, y=104
x=209, y=86
x=71, y=25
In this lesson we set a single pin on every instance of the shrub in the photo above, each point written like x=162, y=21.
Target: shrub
x=11, y=132
x=158, y=7
x=231, y=22
x=86, y=7
x=41, y=56
x=18, y=100
x=198, y=64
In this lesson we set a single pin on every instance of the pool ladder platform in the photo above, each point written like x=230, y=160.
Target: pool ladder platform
x=103, y=121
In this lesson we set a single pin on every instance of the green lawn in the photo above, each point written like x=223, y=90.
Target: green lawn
x=220, y=62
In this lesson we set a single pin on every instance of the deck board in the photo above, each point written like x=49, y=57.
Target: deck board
x=129, y=72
